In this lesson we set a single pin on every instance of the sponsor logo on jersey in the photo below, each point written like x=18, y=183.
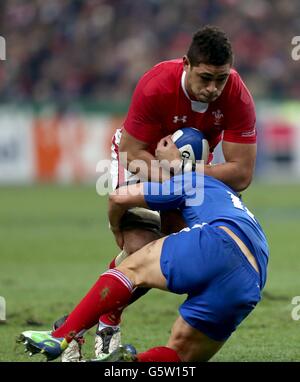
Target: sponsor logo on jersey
x=178, y=118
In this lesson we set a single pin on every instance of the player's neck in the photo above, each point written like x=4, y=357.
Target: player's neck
x=197, y=106
x=185, y=89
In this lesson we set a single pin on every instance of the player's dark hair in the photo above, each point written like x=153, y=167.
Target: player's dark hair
x=210, y=46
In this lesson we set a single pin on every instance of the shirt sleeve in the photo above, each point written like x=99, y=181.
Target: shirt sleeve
x=181, y=191
x=164, y=196
x=143, y=121
x=241, y=118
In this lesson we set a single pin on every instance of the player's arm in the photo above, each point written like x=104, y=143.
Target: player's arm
x=238, y=169
x=119, y=202
x=152, y=195
x=236, y=172
x=138, y=160
x=142, y=128
x=239, y=141
x=143, y=163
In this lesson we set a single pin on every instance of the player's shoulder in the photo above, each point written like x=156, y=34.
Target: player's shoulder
x=164, y=77
x=236, y=88
x=170, y=68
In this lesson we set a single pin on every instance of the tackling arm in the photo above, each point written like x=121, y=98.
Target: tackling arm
x=236, y=172
x=119, y=202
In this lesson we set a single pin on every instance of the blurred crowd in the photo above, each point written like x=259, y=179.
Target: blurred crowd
x=96, y=50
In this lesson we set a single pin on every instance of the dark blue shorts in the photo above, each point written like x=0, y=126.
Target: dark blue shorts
x=222, y=286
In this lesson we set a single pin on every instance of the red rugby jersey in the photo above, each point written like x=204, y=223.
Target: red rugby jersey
x=161, y=106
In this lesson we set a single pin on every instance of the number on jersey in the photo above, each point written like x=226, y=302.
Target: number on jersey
x=238, y=204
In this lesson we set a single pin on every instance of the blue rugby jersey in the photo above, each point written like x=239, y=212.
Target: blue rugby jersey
x=204, y=199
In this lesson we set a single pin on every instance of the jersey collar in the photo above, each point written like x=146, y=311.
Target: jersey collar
x=197, y=106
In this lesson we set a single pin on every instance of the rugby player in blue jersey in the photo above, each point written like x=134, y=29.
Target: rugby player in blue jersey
x=227, y=254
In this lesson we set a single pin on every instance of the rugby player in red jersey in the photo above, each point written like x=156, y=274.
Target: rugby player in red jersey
x=203, y=91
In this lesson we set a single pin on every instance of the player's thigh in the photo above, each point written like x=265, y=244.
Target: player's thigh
x=190, y=344
x=143, y=267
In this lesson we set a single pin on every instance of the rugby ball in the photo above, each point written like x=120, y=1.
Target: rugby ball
x=192, y=144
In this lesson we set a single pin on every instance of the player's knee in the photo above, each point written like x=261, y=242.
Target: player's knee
x=180, y=342
x=137, y=238
x=143, y=266
x=190, y=344
x=188, y=349
x=139, y=226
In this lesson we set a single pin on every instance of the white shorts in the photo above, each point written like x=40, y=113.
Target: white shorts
x=119, y=175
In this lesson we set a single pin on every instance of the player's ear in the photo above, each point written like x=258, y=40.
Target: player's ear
x=186, y=62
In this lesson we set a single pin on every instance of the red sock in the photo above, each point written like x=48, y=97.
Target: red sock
x=159, y=354
x=112, y=318
x=112, y=264
x=112, y=291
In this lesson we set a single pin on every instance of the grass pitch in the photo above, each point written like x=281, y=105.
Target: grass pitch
x=54, y=243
